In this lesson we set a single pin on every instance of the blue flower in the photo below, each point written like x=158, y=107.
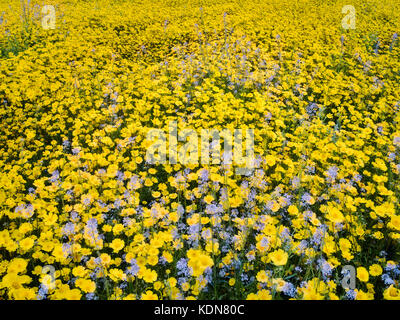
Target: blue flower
x=92, y=223
x=289, y=289
x=311, y=109
x=387, y=279
x=351, y=294
x=182, y=267
x=298, y=269
x=75, y=151
x=133, y=269
x=90, y=296
x=264, y=242
x=332, y=172
x=69, y=228
x=204, y=175
x=42, y=292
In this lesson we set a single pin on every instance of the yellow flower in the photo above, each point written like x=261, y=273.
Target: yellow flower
x=279, y=283
x=264, y=295
x=149, y=295
x=275, y=207
x=375, y=270
x=391, y=293
x=117, y=229
x=252, y=296
x=85, y=285
x=158, y=285
x=262, y=276
x=105, y=259
x=24, y=294
x=26, y=244
x=17, y=265
x=168, y=256
x=293, y=210
x=12, y=280
x=212, y=247
x=335, y=215
x=25, y=228
x=73, y=294
x=117, y=275
x=172, y=282
x=117, y=245
x=395, y=222
x=271, y=160
x=79, y=271
x=185, y=286
x=208, y=199
x=278, y=257
x=362, y=274
x=315, y=289
x=149, y=275
x=235, y=202
x=198, y=262
x=361, y=295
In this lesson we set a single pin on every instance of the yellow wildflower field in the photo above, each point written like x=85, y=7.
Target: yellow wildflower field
x=103, y=193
